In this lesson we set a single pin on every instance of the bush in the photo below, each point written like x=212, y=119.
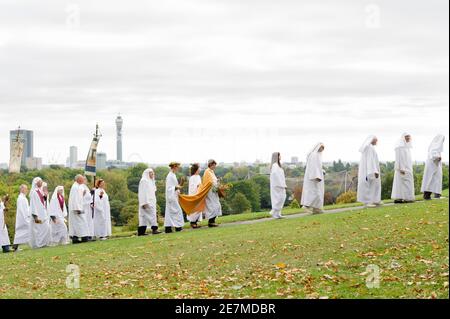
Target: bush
x=250, y=189
x=240, y=204
x=295, y=204
x=346, y=198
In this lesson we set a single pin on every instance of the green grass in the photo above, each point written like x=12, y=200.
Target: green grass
x=310, y=257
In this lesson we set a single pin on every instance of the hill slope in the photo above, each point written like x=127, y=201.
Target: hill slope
x=311, y=257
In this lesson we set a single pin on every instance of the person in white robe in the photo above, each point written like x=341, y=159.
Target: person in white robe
x=403, y=188
x=89, y=209
x=5, y=242
x=147, y=203
x=173, y=214
x=102, y=212
x=40, y=233
x=195, y=181
x=369, y=174
x=314, y=185
x=78, y=224
x=58, y=214
x=432, y=176
x=23, y=219
x=278, y=186
x=213, y=207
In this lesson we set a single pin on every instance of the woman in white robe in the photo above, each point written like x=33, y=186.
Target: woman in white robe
x=403, y=188
x=148, y=216
x=369, y=175
x=195, y=181
x=277, y=186
x=4, y=235
x=102, y=212
x=58, y=214
x=78, y=225
x=23, y=219
x=314, y=185
x=432, y=176
x=40, y=233
x=173, y=214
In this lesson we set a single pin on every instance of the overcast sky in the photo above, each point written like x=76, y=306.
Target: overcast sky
x=232, y=80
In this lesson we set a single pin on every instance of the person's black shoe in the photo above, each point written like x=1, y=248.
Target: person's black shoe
x=213, y=225
x=427, y=195
x=168, y=230
x=142, y=231
x=7, y=249
x=437, y=196
x=398, y=201
x=178, y=229
x=155, y=231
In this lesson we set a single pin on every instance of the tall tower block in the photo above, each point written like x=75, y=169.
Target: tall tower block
x=119, y=125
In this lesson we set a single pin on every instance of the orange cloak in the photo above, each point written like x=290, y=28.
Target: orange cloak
x=196, y=203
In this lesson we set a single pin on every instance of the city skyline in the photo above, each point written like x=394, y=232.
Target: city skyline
x=232, y=81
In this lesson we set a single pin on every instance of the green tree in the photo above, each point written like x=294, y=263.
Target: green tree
x=264, y=190
x=240, y=204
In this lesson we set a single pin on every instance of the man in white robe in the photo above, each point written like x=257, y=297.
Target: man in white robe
x=369, y=175
x=4, y=235
x=40, y=234
x=78, y=224
x=58, y=215
x=314, y=185
x=277, y=186
x=23, y=219
x=403, y=188
x=102, y=212
x=173, y=214
x=213, y=207
x=89, y=209
x=432, y=176
x=195, y=181
x=147, y=203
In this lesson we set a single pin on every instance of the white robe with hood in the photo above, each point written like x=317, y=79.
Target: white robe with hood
x=432, y=176
x=147, y=196
x=403, y=187
x=102, y=215
x=314, y=191
x=40, y=234
x=369, y=186
x=277, y=188
x=58, y=226
x=23, y=219
x=174, y=214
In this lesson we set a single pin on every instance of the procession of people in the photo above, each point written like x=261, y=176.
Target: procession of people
x=42, y=222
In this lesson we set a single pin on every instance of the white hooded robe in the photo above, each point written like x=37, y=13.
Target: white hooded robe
x=23, y=219
x=174, y=214
x=40, y=234
x=102, y=214
x=314, y=191
x=194, y=183
x=369, y=186
x=432, y=176
x=147, y=196
x=277, y=189
x=403, y=188
x=58, y=226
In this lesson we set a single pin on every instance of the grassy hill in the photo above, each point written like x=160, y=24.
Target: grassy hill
x=323, y=256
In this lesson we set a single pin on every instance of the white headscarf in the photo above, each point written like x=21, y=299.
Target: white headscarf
x=146, y=176
x=366, y=143
x=275, y=158
x=315, y=149
x=436, y=146
x=402, y=142
x=55, y=193
x=34, y=183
